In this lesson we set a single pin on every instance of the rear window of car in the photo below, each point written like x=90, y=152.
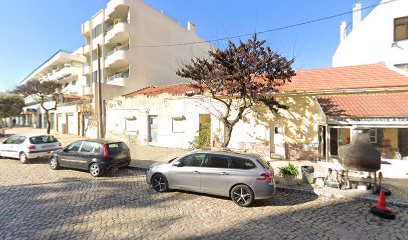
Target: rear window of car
x=241, y=163
x=264, y=163
x=115, y=148
x=42, y=139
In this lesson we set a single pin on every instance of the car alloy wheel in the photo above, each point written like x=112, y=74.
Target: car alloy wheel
x=23, y=158
x=95, y=170
x=54, y=163
x=159, y=182
x=242, y=195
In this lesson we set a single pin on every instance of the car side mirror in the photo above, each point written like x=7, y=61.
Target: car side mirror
x=177, y=164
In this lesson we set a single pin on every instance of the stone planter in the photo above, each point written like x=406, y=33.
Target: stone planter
x=289, y=180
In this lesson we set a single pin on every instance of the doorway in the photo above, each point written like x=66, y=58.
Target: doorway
x=334, y=141
x=152, y=128
x=277, y=141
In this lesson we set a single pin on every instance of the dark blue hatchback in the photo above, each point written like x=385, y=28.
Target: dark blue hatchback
x=96, y=156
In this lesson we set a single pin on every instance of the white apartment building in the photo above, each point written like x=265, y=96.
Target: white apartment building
x=382, y=36
x=139, y=47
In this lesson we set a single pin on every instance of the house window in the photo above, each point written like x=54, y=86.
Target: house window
x=73, y=83
x=400, y=29
x=94, y=55
x=95, y=76
x=97, y=31
x=178, y=125
x=373, y=135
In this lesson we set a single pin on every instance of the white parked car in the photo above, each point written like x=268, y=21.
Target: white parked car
x=29, y=146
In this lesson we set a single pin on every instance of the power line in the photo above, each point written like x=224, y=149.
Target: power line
x=266, y=31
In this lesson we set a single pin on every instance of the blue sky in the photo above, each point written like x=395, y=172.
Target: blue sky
x=33, y=30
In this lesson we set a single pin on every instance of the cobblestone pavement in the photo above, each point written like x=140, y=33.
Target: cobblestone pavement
x=38, y=203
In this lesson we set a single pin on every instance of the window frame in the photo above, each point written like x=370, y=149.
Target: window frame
x=12, y=138
x=230, y=164
x=97, y=31
x=193, y=154
x=375, y=131
x=180, y=121
x=405, y=23
x=93, y=144
x=80, y=146
x=204, y=164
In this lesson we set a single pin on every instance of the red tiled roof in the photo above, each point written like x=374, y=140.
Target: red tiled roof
x=174, y=89
x=361, y=76
x=352, y=77
x=366, y=105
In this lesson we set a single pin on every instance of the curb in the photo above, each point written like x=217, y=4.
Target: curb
x=340, y=196
x=138, y=168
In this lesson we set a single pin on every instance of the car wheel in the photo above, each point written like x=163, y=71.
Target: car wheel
x=95, y=170
x=242, y=195
x=23, y=158
x=54, y=165
x=159, y=183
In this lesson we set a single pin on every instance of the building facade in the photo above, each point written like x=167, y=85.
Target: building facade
x=382, y=36
x=326, y=108
x=129, y=45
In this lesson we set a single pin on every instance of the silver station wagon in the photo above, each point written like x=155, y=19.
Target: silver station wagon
x=242, y=177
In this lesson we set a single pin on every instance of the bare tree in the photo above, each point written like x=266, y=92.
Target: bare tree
x=43, y=92
x=239, y=76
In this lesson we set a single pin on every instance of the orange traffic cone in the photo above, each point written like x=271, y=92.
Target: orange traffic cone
x=382, y=204
x=380, y=209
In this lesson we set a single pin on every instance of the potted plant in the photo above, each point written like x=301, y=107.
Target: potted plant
x=289, y=174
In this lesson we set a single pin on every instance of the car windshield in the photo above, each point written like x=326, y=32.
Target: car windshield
x=115, y=148
x=172, y=160
x=42, y=139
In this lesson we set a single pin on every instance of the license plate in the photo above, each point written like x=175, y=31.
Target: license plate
x=47, y=146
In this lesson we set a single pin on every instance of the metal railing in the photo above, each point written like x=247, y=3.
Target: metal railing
x=116, y=21
x=117, y=49
x=124, y=74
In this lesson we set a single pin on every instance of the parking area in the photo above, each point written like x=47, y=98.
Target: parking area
x=38, y=203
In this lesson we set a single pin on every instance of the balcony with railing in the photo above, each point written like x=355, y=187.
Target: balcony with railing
x=117, y=7
x=63, y=72
x=87, y=69
x=86, y=28
x=118, y=79
x=119, y=57
x=118, y=32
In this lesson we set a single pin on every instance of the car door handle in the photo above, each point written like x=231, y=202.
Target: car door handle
x=224, y=173
x=196, y=172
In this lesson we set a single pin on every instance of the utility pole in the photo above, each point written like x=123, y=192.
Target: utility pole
x=99, y=99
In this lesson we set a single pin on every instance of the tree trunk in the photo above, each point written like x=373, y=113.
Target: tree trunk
x=47, y=117
x=227, y=136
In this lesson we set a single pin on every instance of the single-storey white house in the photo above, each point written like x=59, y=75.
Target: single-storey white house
x=325, y=108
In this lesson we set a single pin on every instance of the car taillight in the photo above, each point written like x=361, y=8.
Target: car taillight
x=265, y=177
x=105, y=151
x=31, y=147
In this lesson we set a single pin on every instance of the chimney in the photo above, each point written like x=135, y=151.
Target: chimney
x=343, y=33
x=191, y=26
x=356, y=14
